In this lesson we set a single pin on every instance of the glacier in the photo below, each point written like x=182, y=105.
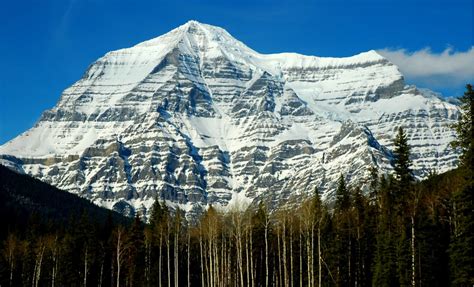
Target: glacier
x=195, y=117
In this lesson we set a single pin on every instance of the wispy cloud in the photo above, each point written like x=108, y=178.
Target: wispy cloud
x=448, y=69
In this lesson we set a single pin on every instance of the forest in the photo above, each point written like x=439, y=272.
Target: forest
x=396, y=232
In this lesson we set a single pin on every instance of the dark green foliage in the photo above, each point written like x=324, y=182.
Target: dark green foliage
x=462, y=237
x=342, y=195
x=26, y=201
x=367, y=239
x=402, y=163
x=464, y=128
x=384, y=267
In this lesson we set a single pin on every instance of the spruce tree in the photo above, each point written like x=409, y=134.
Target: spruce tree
x=342, y=195
x=384, y=267
x=464, y=130
x=402, y=161
x=462, y=239
x=405, y=204
x=135, y=259
x=343, y=231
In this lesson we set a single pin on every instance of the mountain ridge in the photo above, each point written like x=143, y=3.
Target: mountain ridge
x=195, y=117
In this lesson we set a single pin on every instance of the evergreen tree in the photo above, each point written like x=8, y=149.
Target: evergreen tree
x=402, y=161
x=406, y=201
x=344, y=237
x=342, y=195
x=374, y=183
x=462, y=238
x=384, y=267
x=464, y=128
x=135, y=259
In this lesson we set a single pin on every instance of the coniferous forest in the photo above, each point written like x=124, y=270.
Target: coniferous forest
x=397, y=232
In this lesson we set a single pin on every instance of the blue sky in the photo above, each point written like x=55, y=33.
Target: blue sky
x=47, y=45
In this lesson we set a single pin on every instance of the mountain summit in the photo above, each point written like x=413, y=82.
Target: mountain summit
x=195, y=117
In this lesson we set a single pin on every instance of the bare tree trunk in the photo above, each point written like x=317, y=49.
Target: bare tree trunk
x=188, y=263
x=413, y=251
x=319, y=255
x=101, y=274
x=38, y=264
x=211, y=263
x=119, y=251
x=176, y=257
x=202, y=261
x=238, y=234
x=160, y=259
x=218, y=261
x=12, y=264
x=266, y=252
x=206, y=264
x=301, y=258
x=312, y=255
x=168, y=258
x=285, y=263
x=11, y=249
x=86, y=270
x=291, y=255
x=224, y=259
x=280, y=271
x=358, y=268
x=308, y=257
x=54, y=268
x=252, y=270
x=112, y=272
x=247, y=263
x=241, y=261
x=229, y=264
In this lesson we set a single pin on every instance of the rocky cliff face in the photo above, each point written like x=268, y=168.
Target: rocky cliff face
x=195, y=117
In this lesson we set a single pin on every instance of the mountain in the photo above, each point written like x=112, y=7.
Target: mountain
x=196, y=117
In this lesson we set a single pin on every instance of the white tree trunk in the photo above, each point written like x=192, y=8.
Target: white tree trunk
x=413, y=251
x=247, y=260
x=168, y=259
x=319, y=256
x=291, y=254
x=176, y=258
x=86, y=266
x=38, y=265
x=285, y=263
x=252, y=270
x=202, y=261
x=266, y=253
x=301, y=258
x=188, y=263
x=160, y=259
x=119, y=251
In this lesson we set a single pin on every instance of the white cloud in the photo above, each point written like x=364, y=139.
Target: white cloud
x=448, y=69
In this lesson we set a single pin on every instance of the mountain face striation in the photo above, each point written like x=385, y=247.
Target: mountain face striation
x=196, y=117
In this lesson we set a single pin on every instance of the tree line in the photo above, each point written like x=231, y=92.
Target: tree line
x=399, y=232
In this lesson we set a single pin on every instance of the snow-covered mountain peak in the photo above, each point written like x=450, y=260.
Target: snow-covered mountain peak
x=197, y=36
x=196, y=117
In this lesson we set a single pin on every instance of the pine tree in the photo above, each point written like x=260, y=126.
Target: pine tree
x=135, y=258
x=344, y=238
x=342, y=195
x=402, y=161
x=462, y=239
x=464, y=128
x=384, y=267
x=406, y=201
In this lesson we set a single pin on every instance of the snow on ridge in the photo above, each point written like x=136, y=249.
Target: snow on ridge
x=198, y=118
